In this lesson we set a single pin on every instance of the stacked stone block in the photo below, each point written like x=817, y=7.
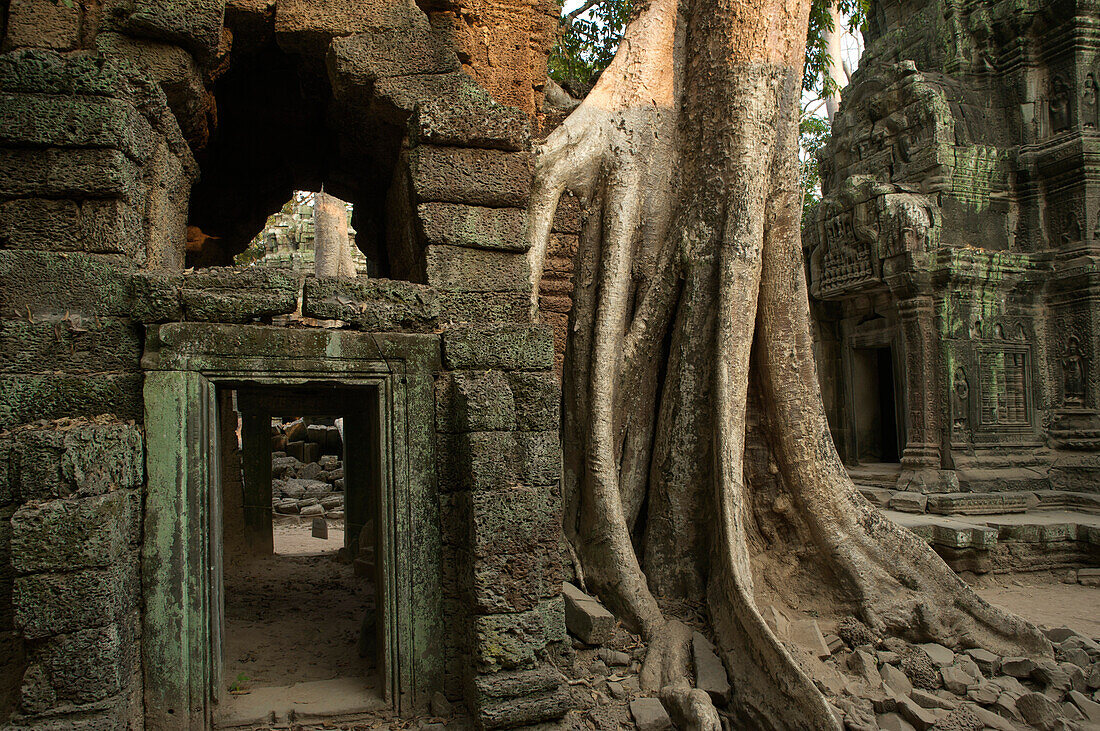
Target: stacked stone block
x=497, y=416
x=91, y=173
x=462, y=188
x=71, y=599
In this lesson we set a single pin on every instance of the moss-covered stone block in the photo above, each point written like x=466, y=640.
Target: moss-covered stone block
x=35, y=282
x=473, y=120
x=512, y=521
x=228, y=294
x=507, y=347
x=476, y=227
x=82, y=667
x=514, y=641
x=193, y=24
x=60, y=172
x=71, y=345
x=475, y=401
x=107, y=226
x=48, y=72
x=472, y=176
x=42, y=24
x=75, y=458
x=155, y=297
x=516, y=582
x=52, y=604
x=40, y=120
x=465, y=308
x=40, y=223
x=486, y=460
x=538, y=400
x=401, y=43
x=372, y=304
x=461, y=269
x=540, y=452
x=28, y=397
x=63, y=535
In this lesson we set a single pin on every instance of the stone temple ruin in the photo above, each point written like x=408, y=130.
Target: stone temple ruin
x=955, y=258
x=162, y=410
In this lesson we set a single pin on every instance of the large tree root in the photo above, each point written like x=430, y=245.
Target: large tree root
x=901, y=585
x=687, y=165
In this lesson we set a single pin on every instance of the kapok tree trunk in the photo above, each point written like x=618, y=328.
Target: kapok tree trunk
x=686, y=155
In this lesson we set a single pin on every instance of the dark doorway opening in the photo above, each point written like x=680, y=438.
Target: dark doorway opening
x=874, y=401
x=301, y=474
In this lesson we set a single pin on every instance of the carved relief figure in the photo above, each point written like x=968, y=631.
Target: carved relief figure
x=1089, y=102
x=1072, y=231
x=1059, y=105
x=1073, y=374
x=960, y=399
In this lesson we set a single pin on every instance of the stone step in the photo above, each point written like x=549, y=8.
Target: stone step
x=977, y=503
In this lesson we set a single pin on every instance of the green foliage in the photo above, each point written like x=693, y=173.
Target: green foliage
x=587, y=40
x=813, y=133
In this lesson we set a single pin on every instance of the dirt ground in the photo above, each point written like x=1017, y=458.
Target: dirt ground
x=1044, y=598
x=294, y=616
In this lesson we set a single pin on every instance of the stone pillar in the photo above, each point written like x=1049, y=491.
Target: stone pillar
x=921, y=460
x=331, y=246
x=256, y=448
x=501, y=404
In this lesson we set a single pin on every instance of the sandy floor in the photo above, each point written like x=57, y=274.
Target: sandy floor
x=1045, y=600
x=294, y=616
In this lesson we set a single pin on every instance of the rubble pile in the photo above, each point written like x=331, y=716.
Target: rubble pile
x=307, y=475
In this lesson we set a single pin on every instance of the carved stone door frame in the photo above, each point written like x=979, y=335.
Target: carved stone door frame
x=181, y=554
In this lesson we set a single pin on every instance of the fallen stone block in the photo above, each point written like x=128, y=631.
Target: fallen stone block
x=926, y=699
x=908, y=502
x=921, y=718
x=1090, y=708
x=1017, y=667
x=1038, y=710
x=650, y=715
x=939, y=654
x=987, y=662
x=710, y=673
x=807, y=634
x=585, y=618
x=893, y=722
x=983, y=693
x=896, y=680
x=863, y=665
x=956, y=680
x=1088, y=577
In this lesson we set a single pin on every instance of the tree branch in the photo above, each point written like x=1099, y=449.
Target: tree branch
x=570, y=17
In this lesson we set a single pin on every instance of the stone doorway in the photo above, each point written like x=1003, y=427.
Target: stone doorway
x=384, y=385
x=875, y=406
x=299, y=516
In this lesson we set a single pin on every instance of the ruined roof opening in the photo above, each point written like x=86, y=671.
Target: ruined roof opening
x=280, y=130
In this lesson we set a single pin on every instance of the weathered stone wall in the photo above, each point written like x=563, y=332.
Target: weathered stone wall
x=70, y=495
x=101, y=111
x=958, y=229
x=497, y=418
